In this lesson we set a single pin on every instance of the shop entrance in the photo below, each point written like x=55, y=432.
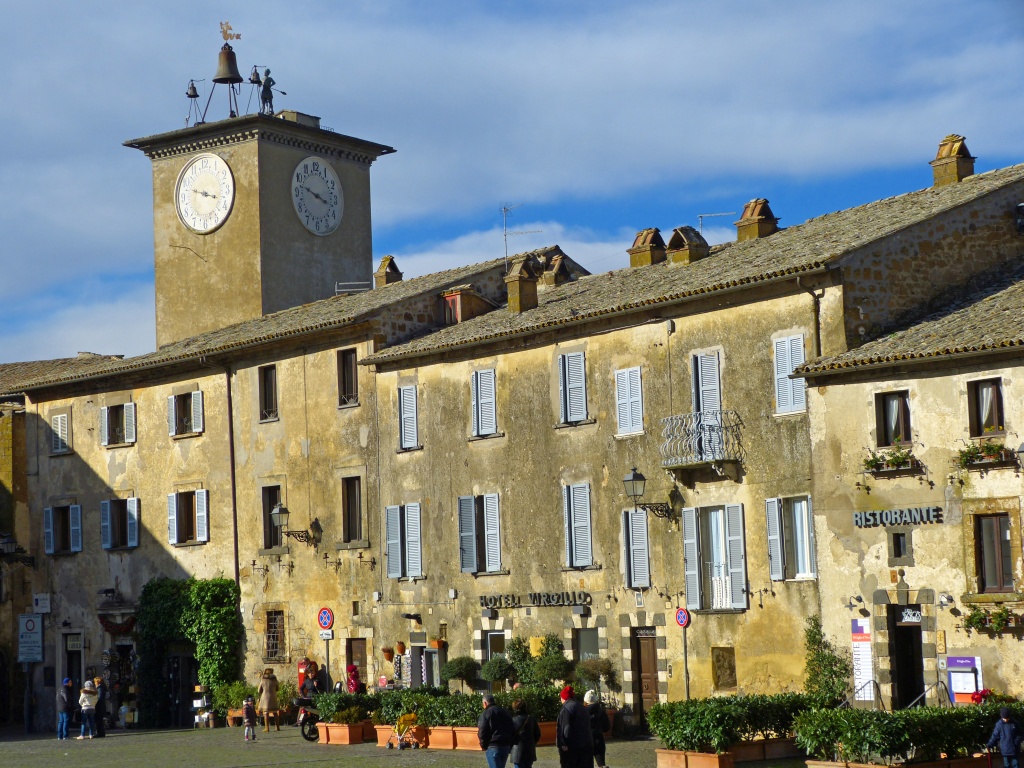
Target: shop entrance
x=905, y=654
x=182, y=676
x=645, y=669
x=73, y=661
x=355, y=652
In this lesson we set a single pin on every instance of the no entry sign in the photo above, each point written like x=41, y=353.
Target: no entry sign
x=325, y=618
x=682, y=617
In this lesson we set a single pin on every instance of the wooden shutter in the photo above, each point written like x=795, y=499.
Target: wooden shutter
x=776, y=550
x=492, y=533
x=197, y=411
x=48, y=530
x=75, y=514
x=783, y=384
x=105, y=538
x=582, y=554
x=575, y=387
x=104, y=427
x=133, y=522
x=407, y=417
x=172, y=416
x=413, y=544
x=736, y=555
x=172, y=518
x=691, y=558
x=467, y=534
x=639, y=555
x=393, y=541
x=202, y=515
x=813, y=549
x=129, y=422
x=485, y=416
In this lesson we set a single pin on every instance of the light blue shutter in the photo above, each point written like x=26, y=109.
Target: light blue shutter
x=393, y=541
x=708, y=400
x=467, y=534
x=776, y=551
x=48, y=531
x=563, y=410
x=105, y=538
x=567, y=522
x=813, y=554
x=76, y=527
x=202, y=515
x=639, y=556
x=129, y=422
x=104, y=427
x=629, y=401
x=582, y=554
x=691, y=558
x=172, y=416
x=737, y=557
x=133, y=522
x=197, y=411
x=575, y=387
x=413, y=541
x=59, y=437
x=783, y=384
x=486, y=421
x=407, y=416
x=172, y=518
x=492, y=533
x=474, y=385
x=796, y=359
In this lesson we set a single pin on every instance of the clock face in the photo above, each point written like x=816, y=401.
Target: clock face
x=204, y=193
x=317, y=196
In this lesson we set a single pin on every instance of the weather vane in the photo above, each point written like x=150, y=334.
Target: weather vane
x=226, y=33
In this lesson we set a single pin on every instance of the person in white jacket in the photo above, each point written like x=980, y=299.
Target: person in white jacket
x=87, y=701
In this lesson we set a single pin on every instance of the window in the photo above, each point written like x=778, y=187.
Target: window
x=60, y=440
x=479, y=534
x=188, y=517
x=451, y=309
x=629, y=404
x=585, y=644
x=495, y=647
x=185, y=413
x=268, y=392
x=995, y=567
x=707, y=407
x=790, y=538
x=485, y=420
x=714, y=558
x=272, y=535
x=402, y=547
x=274, y=648
x=119, y=523
x=638, y=559
x=352, y=506
x=576, y=511
x=62, y=529
x=790, y=394
x=348, y=378
x=892, y=418
x=572, y=388
x=117, y=424
x=985, y=403
x=901, y=547
x=407, y=419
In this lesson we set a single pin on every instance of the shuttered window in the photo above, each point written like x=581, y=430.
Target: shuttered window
x=117, y=424
x=468, y=562
x=185, y=414
x=403, y=541
x=482, y=398
x=407, y=418
x=393, y=542
x=479, y=534
x=62, y=529
x=791, y=550
x=714, y=558
x=572, y=387
x=48, y=533
x=576, y=513
x=629, y=401
x=691, y=559
x=413, y=541
x=707, y=401
x=637, y=550
x=790, y=394
x=119, y=523
x=188, y=517
x=132, y=522
x=59, y=439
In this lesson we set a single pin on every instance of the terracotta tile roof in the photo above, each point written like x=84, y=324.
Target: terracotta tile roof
x=800, y=249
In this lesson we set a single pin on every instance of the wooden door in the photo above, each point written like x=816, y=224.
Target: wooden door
x=645, y=669
x=355, y=653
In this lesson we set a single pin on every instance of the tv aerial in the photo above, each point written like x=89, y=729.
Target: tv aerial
x=506, y=209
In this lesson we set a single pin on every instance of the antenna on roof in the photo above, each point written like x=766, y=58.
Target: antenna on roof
x=701, y=217
x=506, y=209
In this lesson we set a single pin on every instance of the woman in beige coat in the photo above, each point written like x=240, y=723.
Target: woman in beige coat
x=268, y=695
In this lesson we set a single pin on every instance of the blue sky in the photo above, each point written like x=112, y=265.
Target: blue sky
x=601, y=118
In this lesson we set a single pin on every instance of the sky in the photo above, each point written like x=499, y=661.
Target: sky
x=596, y=118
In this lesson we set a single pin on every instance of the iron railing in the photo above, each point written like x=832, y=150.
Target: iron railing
x=704, y=437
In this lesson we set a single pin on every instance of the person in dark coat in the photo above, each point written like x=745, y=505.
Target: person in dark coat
x=598, y=724
x=573, y=736
x=1007, y=734
x=524, y=753
x=101, y=707
x=64, y=708
x=496, y=733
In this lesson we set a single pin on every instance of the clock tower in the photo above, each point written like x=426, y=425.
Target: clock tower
x=255, y=214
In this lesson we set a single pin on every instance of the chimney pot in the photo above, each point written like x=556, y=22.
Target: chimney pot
x=648, y=248
x=521, y=284
x=387, y=273
x=953, y=162
x=756, y=221
x=686, y=245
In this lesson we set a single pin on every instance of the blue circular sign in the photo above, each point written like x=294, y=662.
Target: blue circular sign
x=682, y=617
x=325, y=618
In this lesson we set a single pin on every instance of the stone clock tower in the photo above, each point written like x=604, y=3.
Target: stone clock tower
x=253, y=215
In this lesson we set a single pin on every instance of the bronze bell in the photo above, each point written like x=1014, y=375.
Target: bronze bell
x=227, y=67
x=254, y=77
x=192, y=93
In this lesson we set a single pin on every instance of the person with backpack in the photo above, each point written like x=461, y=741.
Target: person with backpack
x=527, y=734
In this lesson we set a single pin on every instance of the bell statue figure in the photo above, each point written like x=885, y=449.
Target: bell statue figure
x=267, y=94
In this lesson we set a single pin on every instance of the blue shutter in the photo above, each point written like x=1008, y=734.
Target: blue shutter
x=393, y=541
x=639, y=555
x=486, y=423
x=197, y=411
x=796, y=359
x=172, y=416
x=133, y=522
x=104, y=427
x=413, y=540
x=783, y=384
x=567, y=521
x=736, y=556
x=708, y=401
x=129, y=422
x=575, y=387
x=582, y=554
x=691, y=558
x=105, y=538
x=407, y=417
x=48, y=530
x=59, y=438
x=622, y=412
x=492, y=533
x=467, y=534
x=76, y=527
x=810, y=538
x=776, y=550
x=202, y=515
x=172, y=518
x=474, y=385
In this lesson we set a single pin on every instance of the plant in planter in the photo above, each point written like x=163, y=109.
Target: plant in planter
x=465, y=669
x=353, y=715
x=993, y=450
x=976, y=619
x=968, y=455
x=388, y=652
x=497, y=669
x=231, y=697
x=590, y=673
x=517, y=651
x=873, y=461
x=551, y=668
x=1000, y=619
x=436, y=642
x=827, y=671
x=399, y=647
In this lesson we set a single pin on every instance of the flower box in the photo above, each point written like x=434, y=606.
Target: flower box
x=466, y=738
x=340, y=733
x=383, y=733
x=235, y=717
x=441, y=737
x=548, y=729
x=369, y=732
x=671, y=758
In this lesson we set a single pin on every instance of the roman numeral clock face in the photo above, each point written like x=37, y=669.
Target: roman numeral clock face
x=204, y=193
x=317, y=196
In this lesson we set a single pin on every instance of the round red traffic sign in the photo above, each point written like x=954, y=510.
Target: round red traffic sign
x=682, y=617
x=325, y=618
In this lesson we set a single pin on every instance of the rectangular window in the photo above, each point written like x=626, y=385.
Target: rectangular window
x=408, y=426
x=985, y=404
x=272, y=535
x=119, y=523
x=790, y=538
x=117, y=424
x=188, y=517
x=60, y=440
x=268, y=392
x=348, y=378
x=892, y=418
x=572, y=388
x=629, y=405
x=995, y=566
x=638, y=559
x=790, y=394
x=482, y=402
x=403, y=549
x=274, y=648
x=576, y=514
x=62, y=529
x=479, y=534
x=707, y=407
x=185, y=414
x=714, y=558
x=585, y=644
x=352, y=505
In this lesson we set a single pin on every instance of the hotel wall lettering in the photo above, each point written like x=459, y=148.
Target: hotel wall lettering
x=536, y=599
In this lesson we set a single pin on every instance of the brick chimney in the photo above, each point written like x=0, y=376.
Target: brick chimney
x=387, y=273
x=521, y=283
x=953, y=162
x=686, y=245
x=756, y=221
x=648, y=248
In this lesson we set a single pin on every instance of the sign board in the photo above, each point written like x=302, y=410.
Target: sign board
x=860, y=634
x=909, y=616
x=682, y=617
x=325, y=618
x=911, y=516
x=41, y=602
x=30, y=637
x=964, y=677
x=73, y=642
x=326, y=634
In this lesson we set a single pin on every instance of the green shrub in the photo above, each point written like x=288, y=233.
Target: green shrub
x=517, y=651
x=543, y=703
x=286, y=691
x=348, y=716
x=496, y=669
x=231, y=696
x=590, y=673
x=551, y=668
x=465, y=669
x=329, y=704
x=827, y=671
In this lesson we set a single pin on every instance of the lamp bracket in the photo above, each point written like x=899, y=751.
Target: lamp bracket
x=658, y=509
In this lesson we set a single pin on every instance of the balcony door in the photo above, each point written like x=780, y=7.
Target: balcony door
x=707, y=406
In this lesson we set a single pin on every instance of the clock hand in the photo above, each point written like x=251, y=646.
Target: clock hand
x=314, y=194
x=204, y=193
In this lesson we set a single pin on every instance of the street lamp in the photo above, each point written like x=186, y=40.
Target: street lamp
x=279, y=518
x=10, y=552
x=635, y=483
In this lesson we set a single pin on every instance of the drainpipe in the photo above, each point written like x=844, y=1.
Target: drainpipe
x=817, y=314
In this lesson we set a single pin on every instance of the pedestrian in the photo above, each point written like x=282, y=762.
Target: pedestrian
x=524, y=753
x=63, y=708
x=268, y=697
x=496, y=733
x=87, y=701
x=598, y=724
x=573, y=736
x=354, y=684
x=1007, y=734
x=101, y=707
x=249, y=719
x=311, y=685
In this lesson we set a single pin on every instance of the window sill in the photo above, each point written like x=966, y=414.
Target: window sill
x=575, y=568
x=108, y=446
x=183, y=544
x=62, y=553
x=485, y=574
x=411, y=579
x=571, y=424
x=346, y=406
x=789, y=414
x=271, y=551
x=185, y=435
x=270, y=419
x=360, y=544
x=125, y=548
x=987, y=435
x=478, y=438
x=801, y=577
x=628, y=435
x=410, y=450
x=62, y=453
x=992, y=597
x=723, y=611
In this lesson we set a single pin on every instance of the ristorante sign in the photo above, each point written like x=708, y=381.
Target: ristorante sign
x=909, y=516
x=536, y=599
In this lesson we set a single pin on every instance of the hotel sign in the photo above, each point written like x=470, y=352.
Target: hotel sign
x=908, y=516
x=535, y=599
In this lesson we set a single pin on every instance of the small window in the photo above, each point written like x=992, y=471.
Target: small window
x=629, y=406
x=62, y=529
x=479, y=534
x=268, y=392
x=188, y=517
x=185, y=414
x=892, y=418
x=482, y=402
x=572, y=388
x=272, y=536
x=995, y=565
x=60, y=440
x=985, y=402
x=352, y=505
x=451, y=309
x=403, y=545
x=348, y=379
x=408, y=427
x=901, y=548
x=274, y=646
x=585, y=644
x=117, y=424
x=576, y=514
x=119, y=523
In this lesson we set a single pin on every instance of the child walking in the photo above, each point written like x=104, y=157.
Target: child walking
x=249, y=719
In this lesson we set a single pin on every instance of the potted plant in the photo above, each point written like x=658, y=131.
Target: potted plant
x=993, y=451
x=344, y=726
x=436, y=643
x=1000, y=619
x=976, y=619
x=497, y=669
x=388, y=652
x=399, y=647
x=465, y=669
x=968, y=455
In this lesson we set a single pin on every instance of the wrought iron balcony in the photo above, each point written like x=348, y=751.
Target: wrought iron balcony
x=700, y=439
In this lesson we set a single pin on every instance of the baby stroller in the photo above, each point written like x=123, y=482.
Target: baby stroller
x=404, y=733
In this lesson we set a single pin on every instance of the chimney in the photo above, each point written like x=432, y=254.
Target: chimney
x=686, y=245
x=521, y=283
x=757, y=221
x=387, y=273
x=953, y=162
x=648, y=248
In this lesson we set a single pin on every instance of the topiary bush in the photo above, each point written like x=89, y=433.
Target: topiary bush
x=543, y=703
x=517, y=651
x=497, y=669
x=465, y=669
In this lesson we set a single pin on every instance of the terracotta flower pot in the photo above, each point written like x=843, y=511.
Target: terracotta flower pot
x=466, y=738
x=389, y=653
x=399, y=648
x=441, y=737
